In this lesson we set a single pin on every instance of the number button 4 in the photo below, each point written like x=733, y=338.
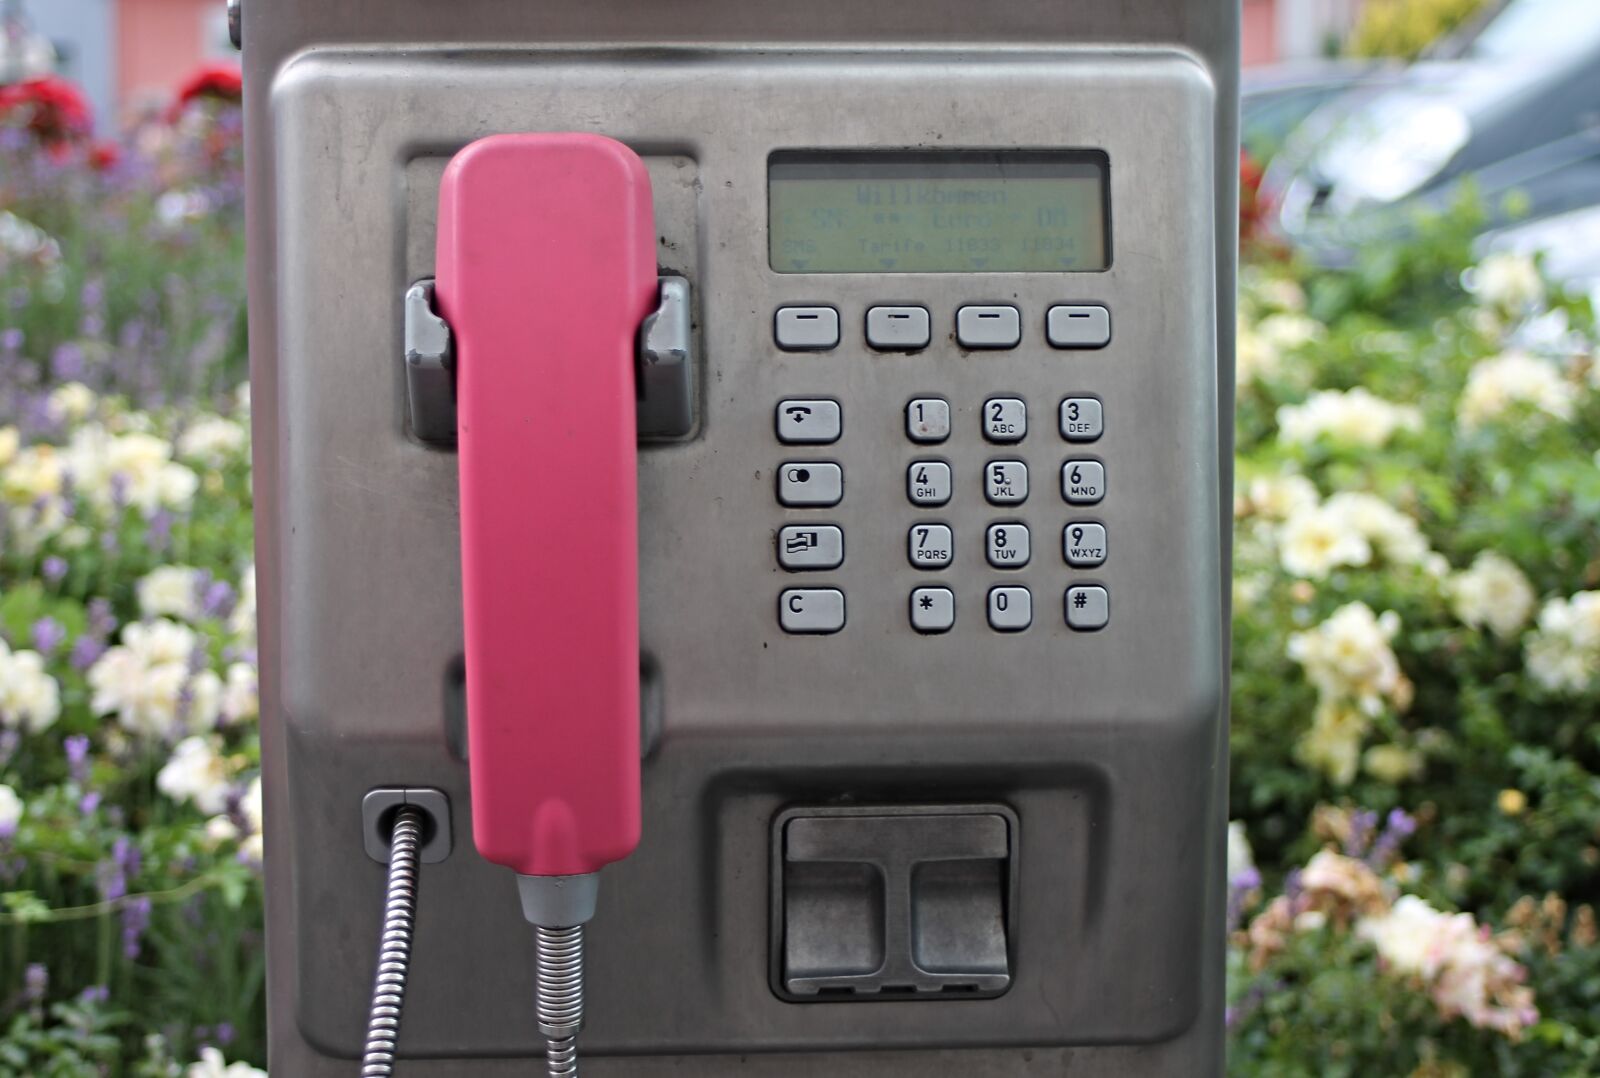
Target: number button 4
x=928, y=482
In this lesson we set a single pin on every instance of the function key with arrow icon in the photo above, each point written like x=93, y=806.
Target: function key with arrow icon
x=809, y=422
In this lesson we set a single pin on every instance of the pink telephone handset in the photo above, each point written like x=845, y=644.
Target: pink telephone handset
x=546, y=268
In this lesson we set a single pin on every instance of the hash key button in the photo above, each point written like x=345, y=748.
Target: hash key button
x=1083, y=482
x=1088, y=608
x=810, y=483
x=811, y=610
x=808, y=422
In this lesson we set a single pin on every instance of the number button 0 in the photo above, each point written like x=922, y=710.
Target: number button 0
x=1008, y=546
x=930, y=546
x=928, y=420
x=1081, y=419
x=1005, y=482
x=1083, y=482
x=1005, y=419
x=1010, y=609
x=928, y=482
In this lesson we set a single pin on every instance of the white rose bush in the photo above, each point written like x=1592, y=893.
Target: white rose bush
x=130, y=818
x=1416, y=709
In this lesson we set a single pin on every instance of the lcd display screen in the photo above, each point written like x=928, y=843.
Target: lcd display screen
x=960, y=211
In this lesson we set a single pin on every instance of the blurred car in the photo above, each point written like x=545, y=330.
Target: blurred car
x=1570, y=243
x=1515, y=107
x=1274, y=100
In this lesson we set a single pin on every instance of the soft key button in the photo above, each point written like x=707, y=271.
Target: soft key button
x=804, y=483
x=811, y=610
x=806, y=329
x=931, y=546
x=1005, y=419
x=897, y=329
x=810, y=546
x=1078, y=327
x=815, y=422
x=988, y=327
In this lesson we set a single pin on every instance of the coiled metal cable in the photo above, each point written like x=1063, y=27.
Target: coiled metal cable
x=560, y=958
x=394, y=945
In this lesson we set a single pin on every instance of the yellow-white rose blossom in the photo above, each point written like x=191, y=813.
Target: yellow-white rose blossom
x=1563, y=654
x=149, y=683
x=171, y=590
x=213, y=1064
x=1508, y=281
x=1316, y=541
x=1515, y=378
x=10, y=442
x=1348, y=658
x=197, y=773
x=30, y=699
x=11, y=810
x=72, y=402
x=1352, y=417
x=213, y=441
x=1494, y=594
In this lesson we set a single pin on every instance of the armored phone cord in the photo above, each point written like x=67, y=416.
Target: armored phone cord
x=560, y=958
x=394, y=945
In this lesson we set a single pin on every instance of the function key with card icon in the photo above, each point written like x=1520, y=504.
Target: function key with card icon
x=804, y=547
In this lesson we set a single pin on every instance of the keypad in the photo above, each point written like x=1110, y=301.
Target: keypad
x=1005, y=482
x=809, y=422
x=1014, y=575
x=1007, y=546
x=1005, y=419
x=928, y=482
x=930, y=546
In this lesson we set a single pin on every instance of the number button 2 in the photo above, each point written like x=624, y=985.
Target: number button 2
x=1005, y=419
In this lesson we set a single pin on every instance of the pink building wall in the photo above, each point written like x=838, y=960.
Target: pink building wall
x=159, y=44
x=1259, y=31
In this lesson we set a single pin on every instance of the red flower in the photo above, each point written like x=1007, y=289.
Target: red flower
x=104, y=155
x=51, y=108
x=212, y=82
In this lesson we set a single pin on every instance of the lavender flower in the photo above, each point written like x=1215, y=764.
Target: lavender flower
x=135, y=920
x=77, y=750
x=67, y=363
x=102, y=622
x=48, y=635
x=95, y=993
x=35, y=982
x=86, y=651
x=53, y=569
x=1363, y=824
x=158, y=533
x=1399, y=826
x=216, y=599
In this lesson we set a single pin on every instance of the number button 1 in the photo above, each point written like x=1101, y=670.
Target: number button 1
x=930, y=546
x=928, y=482
x=928, y=420
x=1005, y=419
x=1005, y=482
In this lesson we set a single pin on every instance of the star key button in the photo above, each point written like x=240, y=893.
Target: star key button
x=933, y=610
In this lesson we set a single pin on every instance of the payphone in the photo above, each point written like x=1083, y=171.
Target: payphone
x=788, y=439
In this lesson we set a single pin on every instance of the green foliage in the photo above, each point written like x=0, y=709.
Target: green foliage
x=1404, y=28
